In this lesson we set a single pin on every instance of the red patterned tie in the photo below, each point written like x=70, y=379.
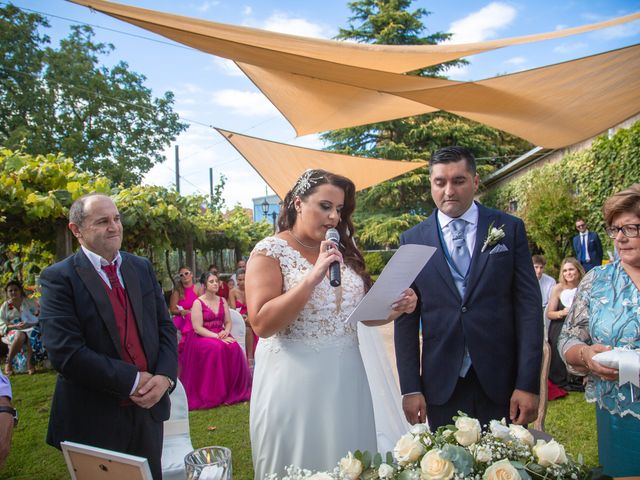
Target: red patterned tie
x=112, y=275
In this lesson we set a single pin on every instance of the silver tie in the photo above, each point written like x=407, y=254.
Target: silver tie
x=460, y=254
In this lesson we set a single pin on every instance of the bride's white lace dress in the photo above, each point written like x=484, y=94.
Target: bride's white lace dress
x=310, y=402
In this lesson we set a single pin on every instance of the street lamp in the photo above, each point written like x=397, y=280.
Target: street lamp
x=265, y=208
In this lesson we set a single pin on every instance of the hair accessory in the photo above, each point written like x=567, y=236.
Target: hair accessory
x=304, y=183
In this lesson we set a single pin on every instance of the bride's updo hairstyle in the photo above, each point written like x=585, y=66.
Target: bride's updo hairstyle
x=306, y=185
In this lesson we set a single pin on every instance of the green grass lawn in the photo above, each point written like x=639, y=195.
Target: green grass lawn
x=570, y=420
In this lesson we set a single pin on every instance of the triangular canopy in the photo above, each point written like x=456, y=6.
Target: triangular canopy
x=280, y=165
x=265, y=48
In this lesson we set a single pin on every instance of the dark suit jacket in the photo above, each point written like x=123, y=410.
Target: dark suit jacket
x=500, y=317
x=594, y=247
x=80, y=335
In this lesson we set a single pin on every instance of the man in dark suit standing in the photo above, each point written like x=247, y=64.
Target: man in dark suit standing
x=108, y=334
x=587, y=246
x=480, y=309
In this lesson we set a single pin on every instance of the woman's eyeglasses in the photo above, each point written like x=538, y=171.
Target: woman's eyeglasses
x=184, y=274
x=631, y=230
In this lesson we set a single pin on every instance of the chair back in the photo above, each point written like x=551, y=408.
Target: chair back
x=238, y=327
x=177, y=437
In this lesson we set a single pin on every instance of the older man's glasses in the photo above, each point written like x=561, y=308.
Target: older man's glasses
x=631, y=230
x=184, y=274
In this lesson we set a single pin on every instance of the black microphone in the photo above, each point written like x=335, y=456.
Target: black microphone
x=334, y=269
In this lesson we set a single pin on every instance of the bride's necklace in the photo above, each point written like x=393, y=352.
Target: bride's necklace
x=301, y=242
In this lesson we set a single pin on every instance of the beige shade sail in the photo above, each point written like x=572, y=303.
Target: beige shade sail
x=552, y=106
x=280, y=165
x=266, y=49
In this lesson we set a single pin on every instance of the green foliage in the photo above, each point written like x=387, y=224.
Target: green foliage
x=384, y=229
x=376, y=260
x=416, y=138
x=63, y=100
x=552, y=197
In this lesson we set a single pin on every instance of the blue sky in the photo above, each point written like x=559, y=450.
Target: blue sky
x=211, y=91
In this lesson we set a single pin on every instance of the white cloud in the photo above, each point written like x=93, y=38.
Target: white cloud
x=516, y=61
x=569, y=47
x=561, y=26
x=619, y=31
x=247, y=10
x=207, y=5
x=483, y=24
x=228, y=67
x=460, y=72
x=283, y=23
x=244, y=103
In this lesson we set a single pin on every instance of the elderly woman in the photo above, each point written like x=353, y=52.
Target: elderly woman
x=605, y=315
x=19, y=329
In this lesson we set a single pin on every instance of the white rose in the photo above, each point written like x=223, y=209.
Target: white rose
x=522, y=434
x=407, y=450
x=321, y=476
x=350, y=467
x=468, y=431
x=434, y=467
x=447, y=433
x=419, y=428
x=502, y=470
x=500, y=430
x=483, y=455
x=548, y=454
x=385, y=471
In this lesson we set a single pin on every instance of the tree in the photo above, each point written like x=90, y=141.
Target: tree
x=391, y=22
x=63, y=100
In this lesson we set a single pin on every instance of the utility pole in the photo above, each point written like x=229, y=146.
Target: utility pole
x=211, y=188
x=180, y=262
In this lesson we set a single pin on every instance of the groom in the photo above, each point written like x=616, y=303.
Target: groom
x=480, y=309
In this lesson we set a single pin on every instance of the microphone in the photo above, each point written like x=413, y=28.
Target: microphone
x=334, y=269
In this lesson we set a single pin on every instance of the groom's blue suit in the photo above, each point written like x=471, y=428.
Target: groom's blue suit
x=499, y=319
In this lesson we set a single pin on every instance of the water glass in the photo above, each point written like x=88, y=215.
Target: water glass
x=209, y=463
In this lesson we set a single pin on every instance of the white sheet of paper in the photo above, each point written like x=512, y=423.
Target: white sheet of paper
x=398, y=275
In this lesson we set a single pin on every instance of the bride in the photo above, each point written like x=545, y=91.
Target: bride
x=311, y=401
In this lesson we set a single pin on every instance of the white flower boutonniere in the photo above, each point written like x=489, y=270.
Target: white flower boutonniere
x=494, y=235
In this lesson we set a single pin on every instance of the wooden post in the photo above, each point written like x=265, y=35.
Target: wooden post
x=189, y=254
x=63, y=240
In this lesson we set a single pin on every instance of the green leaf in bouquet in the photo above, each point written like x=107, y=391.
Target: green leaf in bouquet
x=460, y=457
x=389, y=458
x=366, y=459
x=522, y=470
x=377, y=460
x=409, y=475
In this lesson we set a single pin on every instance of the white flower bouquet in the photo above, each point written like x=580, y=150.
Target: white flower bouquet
x=459, y=451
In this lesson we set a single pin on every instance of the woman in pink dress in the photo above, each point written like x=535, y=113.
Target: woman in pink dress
x=214, y=369
x=182, y=298
x=237, y=300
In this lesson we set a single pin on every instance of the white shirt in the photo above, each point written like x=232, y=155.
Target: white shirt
x=98, y=262
x=546, y=284
x=584, y=243
x=5, y=387
x=471, y=216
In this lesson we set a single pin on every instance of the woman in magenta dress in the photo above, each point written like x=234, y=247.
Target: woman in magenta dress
x=182, y=298
x=214, y=369
x=237, y=300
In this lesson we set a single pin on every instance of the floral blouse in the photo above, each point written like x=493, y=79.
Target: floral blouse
x=9, y=315
x=606, y=310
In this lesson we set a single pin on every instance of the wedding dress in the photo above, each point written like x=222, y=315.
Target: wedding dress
x=311, y=402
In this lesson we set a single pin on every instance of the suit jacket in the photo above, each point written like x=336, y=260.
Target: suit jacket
x=500, y=317
x=594, y=247
x=83, y=344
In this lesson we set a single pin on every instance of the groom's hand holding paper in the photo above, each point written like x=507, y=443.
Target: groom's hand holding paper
x=397, y=276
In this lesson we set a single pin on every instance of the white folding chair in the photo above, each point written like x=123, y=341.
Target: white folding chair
x=177, y=439
x=238, y=327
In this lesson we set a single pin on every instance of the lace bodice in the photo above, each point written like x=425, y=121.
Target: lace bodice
x=322, y=321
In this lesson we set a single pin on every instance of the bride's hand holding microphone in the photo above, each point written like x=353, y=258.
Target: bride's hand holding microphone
x=329, y=254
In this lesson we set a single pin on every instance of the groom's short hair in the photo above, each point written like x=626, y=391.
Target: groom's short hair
x=454, y=154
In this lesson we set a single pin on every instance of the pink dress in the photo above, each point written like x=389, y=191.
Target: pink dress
x=213, y=372
x=183, y=324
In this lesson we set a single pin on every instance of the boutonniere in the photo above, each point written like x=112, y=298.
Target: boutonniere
x=494, y=235
x=11, y=307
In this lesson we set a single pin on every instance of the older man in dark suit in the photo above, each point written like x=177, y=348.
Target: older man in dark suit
x=108, y=334
x=480, y=309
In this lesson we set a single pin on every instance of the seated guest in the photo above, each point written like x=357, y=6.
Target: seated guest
x=237, y=300
x=223, y=289
x=545, y=281
x=19, y=330
x=605, y=315
x=180, y=302
x=214, y=369
x=571, y=272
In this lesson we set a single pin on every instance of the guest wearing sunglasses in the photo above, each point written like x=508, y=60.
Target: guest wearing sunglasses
x=180, y=302
x=605, y=315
